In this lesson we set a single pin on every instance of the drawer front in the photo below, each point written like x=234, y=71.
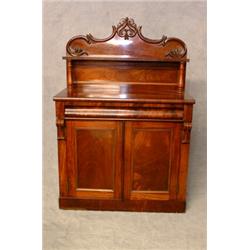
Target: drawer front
x=172, y=114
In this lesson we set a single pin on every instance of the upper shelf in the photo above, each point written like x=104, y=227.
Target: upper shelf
x=126, y=43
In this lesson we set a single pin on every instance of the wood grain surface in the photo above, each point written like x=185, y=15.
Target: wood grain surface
x=124, y=123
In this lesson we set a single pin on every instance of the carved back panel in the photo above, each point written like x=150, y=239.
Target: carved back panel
x=127, y=56
x=127, y=41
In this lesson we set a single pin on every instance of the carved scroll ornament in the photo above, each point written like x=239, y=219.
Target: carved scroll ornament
x=176, y=53
x=127, y=29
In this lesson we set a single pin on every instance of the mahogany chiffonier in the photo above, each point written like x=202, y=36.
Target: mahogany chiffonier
x=123, y=123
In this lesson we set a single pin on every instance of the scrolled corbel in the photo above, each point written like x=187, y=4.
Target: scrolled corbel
x=60, y=128
x=186, y=132
x=59, y=122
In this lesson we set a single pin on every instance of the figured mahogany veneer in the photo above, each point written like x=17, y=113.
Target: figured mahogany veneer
x=124, y=123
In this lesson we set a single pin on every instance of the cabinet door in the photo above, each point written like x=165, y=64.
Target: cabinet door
x=152, y=151
x=94, y=159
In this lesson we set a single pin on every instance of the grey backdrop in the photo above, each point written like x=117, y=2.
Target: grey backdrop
x=78, y=230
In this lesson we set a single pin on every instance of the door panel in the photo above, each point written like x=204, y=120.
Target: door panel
x=94, y=153
x=151, y=160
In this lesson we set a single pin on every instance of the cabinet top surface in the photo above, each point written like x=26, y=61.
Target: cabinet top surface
x=136, y=92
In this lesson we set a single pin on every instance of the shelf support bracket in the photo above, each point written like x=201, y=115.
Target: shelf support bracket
x=60, y=129
x=186, y=132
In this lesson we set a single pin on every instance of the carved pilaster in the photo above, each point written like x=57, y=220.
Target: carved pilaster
x=186, y=132
x=182, y=73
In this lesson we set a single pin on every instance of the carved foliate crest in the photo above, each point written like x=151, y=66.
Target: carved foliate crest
x=127, y=28
x=170, y=48
x=176, y=53
x=77, y=51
